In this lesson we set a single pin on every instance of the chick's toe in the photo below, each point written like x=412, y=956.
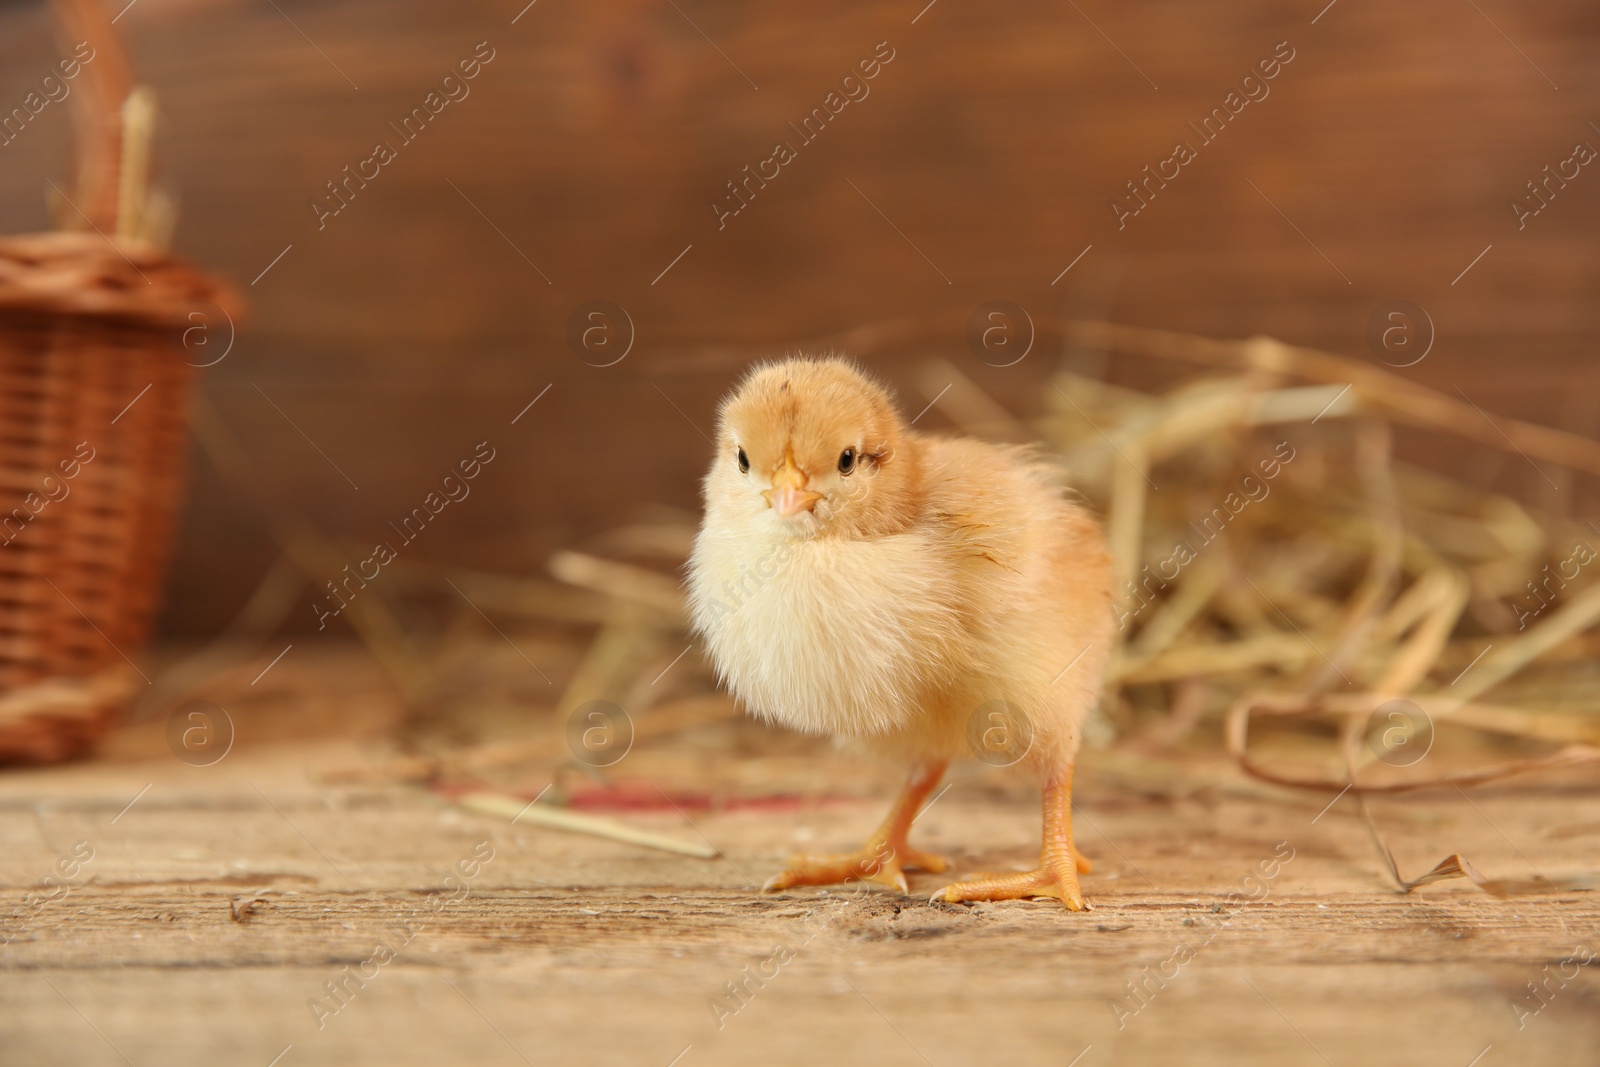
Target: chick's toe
x=877, y=861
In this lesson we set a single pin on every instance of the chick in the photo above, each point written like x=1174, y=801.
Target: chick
x=929, y=598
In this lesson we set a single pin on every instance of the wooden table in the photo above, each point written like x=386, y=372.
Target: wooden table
x=220, y=903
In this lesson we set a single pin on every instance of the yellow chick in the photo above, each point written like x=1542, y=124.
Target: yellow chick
x=930, y=598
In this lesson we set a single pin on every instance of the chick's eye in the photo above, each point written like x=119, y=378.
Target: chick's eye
x=744, y=462
x=847, y=461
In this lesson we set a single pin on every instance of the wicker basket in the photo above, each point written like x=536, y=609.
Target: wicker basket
x=94, y=377
x=93, y=383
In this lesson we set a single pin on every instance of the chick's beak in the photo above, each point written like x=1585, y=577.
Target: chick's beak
x=789, y=495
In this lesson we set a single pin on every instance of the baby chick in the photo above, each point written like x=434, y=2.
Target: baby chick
x=930, y=598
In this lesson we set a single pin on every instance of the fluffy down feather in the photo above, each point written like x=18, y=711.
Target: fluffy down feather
x=929, y=577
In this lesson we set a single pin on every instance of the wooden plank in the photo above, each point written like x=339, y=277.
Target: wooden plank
x=218, y=904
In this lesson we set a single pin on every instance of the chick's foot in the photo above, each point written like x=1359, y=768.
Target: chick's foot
x=1059, y=860
x=1058, y=879
x=885, y=857
x=877, y=861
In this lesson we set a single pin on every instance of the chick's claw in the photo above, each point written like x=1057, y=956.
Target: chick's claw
x=876, y=861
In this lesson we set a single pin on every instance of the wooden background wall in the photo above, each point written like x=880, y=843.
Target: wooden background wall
x=425, y=315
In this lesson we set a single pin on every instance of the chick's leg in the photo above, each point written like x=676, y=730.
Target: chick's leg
x=885, y=857
x=1059, y=861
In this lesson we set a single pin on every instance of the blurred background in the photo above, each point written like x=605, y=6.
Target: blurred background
x=588, y=156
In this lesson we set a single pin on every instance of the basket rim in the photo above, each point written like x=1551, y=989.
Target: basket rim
x=89, y=275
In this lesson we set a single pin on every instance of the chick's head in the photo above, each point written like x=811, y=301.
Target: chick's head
x=813, y=447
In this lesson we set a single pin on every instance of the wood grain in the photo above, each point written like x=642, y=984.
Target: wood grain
x=218, y=904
